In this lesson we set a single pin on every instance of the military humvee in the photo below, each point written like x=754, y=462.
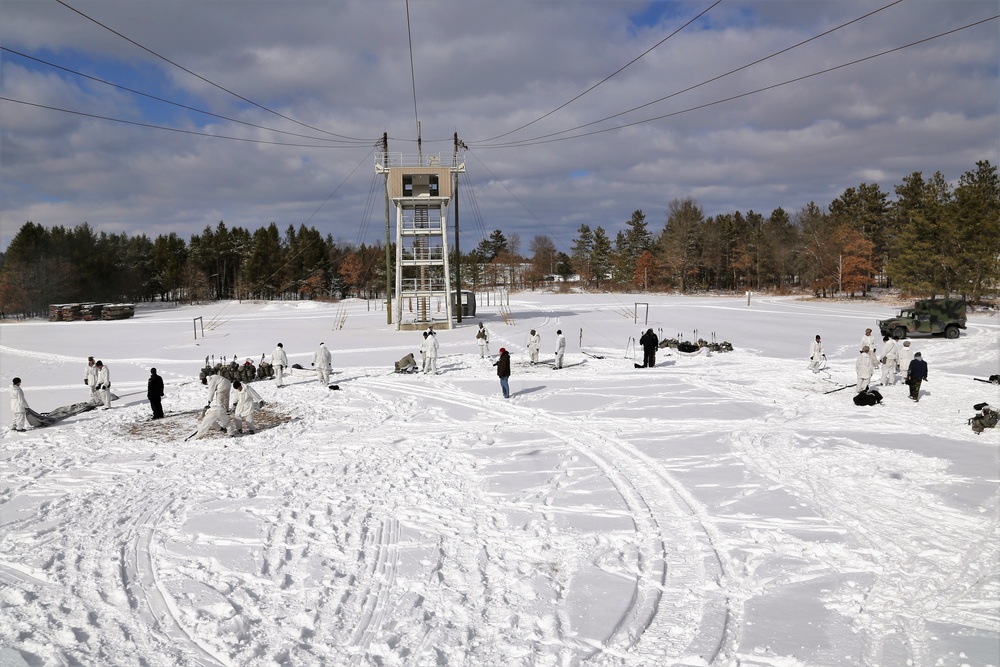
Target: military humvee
x=928, y=316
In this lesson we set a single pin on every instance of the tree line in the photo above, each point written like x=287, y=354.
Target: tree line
x=43, y=266
x=932, y=239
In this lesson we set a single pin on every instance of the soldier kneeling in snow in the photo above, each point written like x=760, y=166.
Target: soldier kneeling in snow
x=407, y=364
x=216, y=417
x=247, y=402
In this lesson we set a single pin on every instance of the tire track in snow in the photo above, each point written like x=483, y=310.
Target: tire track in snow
x=661, y=511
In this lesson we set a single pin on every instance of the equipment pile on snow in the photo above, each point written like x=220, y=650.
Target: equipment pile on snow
x=694, y=348
x=986, y=418
x=233, y=371
x=74, y=312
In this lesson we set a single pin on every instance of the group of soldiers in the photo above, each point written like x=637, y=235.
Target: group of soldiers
x=98, y=378
x=222, y=380
x=896, y=357
x=429, y=350
x=237, y=419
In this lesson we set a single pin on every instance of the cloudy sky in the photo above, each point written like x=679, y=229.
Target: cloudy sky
x=574, y=112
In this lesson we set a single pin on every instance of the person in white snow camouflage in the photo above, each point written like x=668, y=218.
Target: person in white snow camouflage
x=321, y=360
x=534, y=343
x=19, y=406
x=560, y=348
x=279, y=361
x=905, y=357
x=431, y=358
x=483, y=339
x=816, y=356
x=424, y=346
x=889, y=360
x=218, y=391
x=216, y=418
x=868, y=340
x=90, y=379
x=247, y=402
x=103, y=385
x=864, y=368
x=408, y=364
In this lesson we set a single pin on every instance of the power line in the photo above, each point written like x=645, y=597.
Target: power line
x=200, y=77
x=617, y=71
x=169, y=129
x=541, y=140
x=166, y=101
x=516, y=198
x=713, y=79
x=413, y=76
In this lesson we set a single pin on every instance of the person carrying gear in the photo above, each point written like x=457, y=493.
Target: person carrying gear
x=103, y=385
x=279, y=361
x=816, y=356
x=218, y=391
x=534, y=343
x=431, y=361
x=864, y=368
x=90, y=379
x=321, y=360
x=560, y=348
x=649, y=342
x=19, y=406
x=248, y=401
x=215, y=418
x=407, y=364
x=424, y=347
x=483, y=339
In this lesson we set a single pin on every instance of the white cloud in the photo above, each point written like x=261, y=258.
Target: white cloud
x=482, y=70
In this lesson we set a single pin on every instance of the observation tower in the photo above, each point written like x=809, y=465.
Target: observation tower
x=420, y=188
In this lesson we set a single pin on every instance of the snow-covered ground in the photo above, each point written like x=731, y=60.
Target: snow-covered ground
x=715, y=510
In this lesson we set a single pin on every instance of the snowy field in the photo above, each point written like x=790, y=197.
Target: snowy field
x=715, y=510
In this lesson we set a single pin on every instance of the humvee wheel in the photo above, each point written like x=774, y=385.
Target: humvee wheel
x=899, y=332
x=951, y=332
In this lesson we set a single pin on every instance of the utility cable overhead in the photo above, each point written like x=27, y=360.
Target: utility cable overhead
x=538, y=141
x=617, y=71
x=200, y=77
x=713, y=79
x=413, y=76
x=313, y=215
x=173, y=129
x=166, y=101
x=516, y=198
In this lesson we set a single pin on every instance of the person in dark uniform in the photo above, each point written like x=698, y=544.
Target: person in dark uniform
x=915, y=375
x=649, y=342
x=154, y=392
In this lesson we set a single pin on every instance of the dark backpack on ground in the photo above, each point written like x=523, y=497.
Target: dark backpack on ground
x=987, y=418
x=995, y=379
x=869, y=397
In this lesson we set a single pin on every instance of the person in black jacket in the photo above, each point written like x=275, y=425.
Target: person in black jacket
x=915, y=374
x=649, y=342
x=503, y=371
x=154, y=392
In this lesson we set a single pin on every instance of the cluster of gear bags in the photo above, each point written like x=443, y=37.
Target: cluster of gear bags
x=986, y=418
x=234, y=371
